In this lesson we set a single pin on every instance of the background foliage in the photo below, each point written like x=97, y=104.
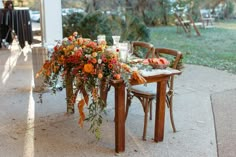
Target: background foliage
x=91, y=25
x=153, y=12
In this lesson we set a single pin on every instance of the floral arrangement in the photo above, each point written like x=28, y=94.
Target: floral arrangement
x=85, y=64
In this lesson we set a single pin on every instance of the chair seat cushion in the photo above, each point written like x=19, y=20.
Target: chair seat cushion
x=148, y=89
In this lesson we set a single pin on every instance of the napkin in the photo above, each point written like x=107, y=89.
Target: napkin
x=153, y=72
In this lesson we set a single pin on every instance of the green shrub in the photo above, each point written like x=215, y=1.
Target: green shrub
x=94, y=24
x=71, y=22
x=130, y=28
x=133, y=29
x=229, y=9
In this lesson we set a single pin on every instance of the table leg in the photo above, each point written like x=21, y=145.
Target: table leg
x=120, y=117
x=160, y=111
x=104, y=91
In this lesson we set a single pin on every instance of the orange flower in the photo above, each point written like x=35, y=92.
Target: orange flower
x=100, y=75
x=94, y=60
x=71, y=47
x=117, y=76
x=80, y=41
x=47, y=64
x=70, y=37
x=61, y=59
x=126, y=67
x=92, y=44
x=88, y=68
x=99, y=48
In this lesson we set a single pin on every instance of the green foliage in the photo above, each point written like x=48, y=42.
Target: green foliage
x=71, y=23
x=94, y=24
x=91, y=25
x=229, y=8
x=134, y=29
x=72, y=3
x=95, y=117
x=152, y=18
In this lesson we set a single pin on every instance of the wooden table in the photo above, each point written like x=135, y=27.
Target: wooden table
x=120, y=90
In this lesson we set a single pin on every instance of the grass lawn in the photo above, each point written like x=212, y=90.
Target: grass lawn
x=216, y=47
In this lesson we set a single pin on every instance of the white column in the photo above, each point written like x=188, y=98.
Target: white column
x=51, y=21
x=1, y=5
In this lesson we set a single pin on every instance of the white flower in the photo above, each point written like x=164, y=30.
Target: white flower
x=88, y=56
x=75, y=49
x=99, y=61
x=65, y=39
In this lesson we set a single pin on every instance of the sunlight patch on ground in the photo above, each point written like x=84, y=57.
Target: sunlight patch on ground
x=16, y=51
x=29, y=134
x=11, y=61
x=226, y=25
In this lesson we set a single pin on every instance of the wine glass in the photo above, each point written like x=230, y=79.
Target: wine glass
x=123, y=51
x=129, y=49
x=116, y=39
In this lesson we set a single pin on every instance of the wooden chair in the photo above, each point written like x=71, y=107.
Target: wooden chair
x=206, y=18
x=186, y=24
x=142, y=49
x=146, y=93
x=180, y=22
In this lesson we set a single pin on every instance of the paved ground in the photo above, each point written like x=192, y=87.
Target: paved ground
x=223, y=105
x=30, y=128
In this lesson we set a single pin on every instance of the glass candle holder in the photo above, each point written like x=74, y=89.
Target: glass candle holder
x=123, y=51
x=101, y=38
x=116, y=40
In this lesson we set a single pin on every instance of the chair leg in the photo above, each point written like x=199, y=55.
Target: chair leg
x=150, y=116
x=171, y=115
x=128, y=103
x=146, y=103
x=169, y=102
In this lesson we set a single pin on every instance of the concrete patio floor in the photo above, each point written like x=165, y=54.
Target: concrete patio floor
x=30, y=128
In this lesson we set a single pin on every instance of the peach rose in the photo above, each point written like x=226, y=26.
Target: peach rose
x=94, y=60
x=100, y=75
x=117, y=76
x=88, y=68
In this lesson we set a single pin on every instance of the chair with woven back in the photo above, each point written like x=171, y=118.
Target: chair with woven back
x=142, y=49
x=146, y=93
